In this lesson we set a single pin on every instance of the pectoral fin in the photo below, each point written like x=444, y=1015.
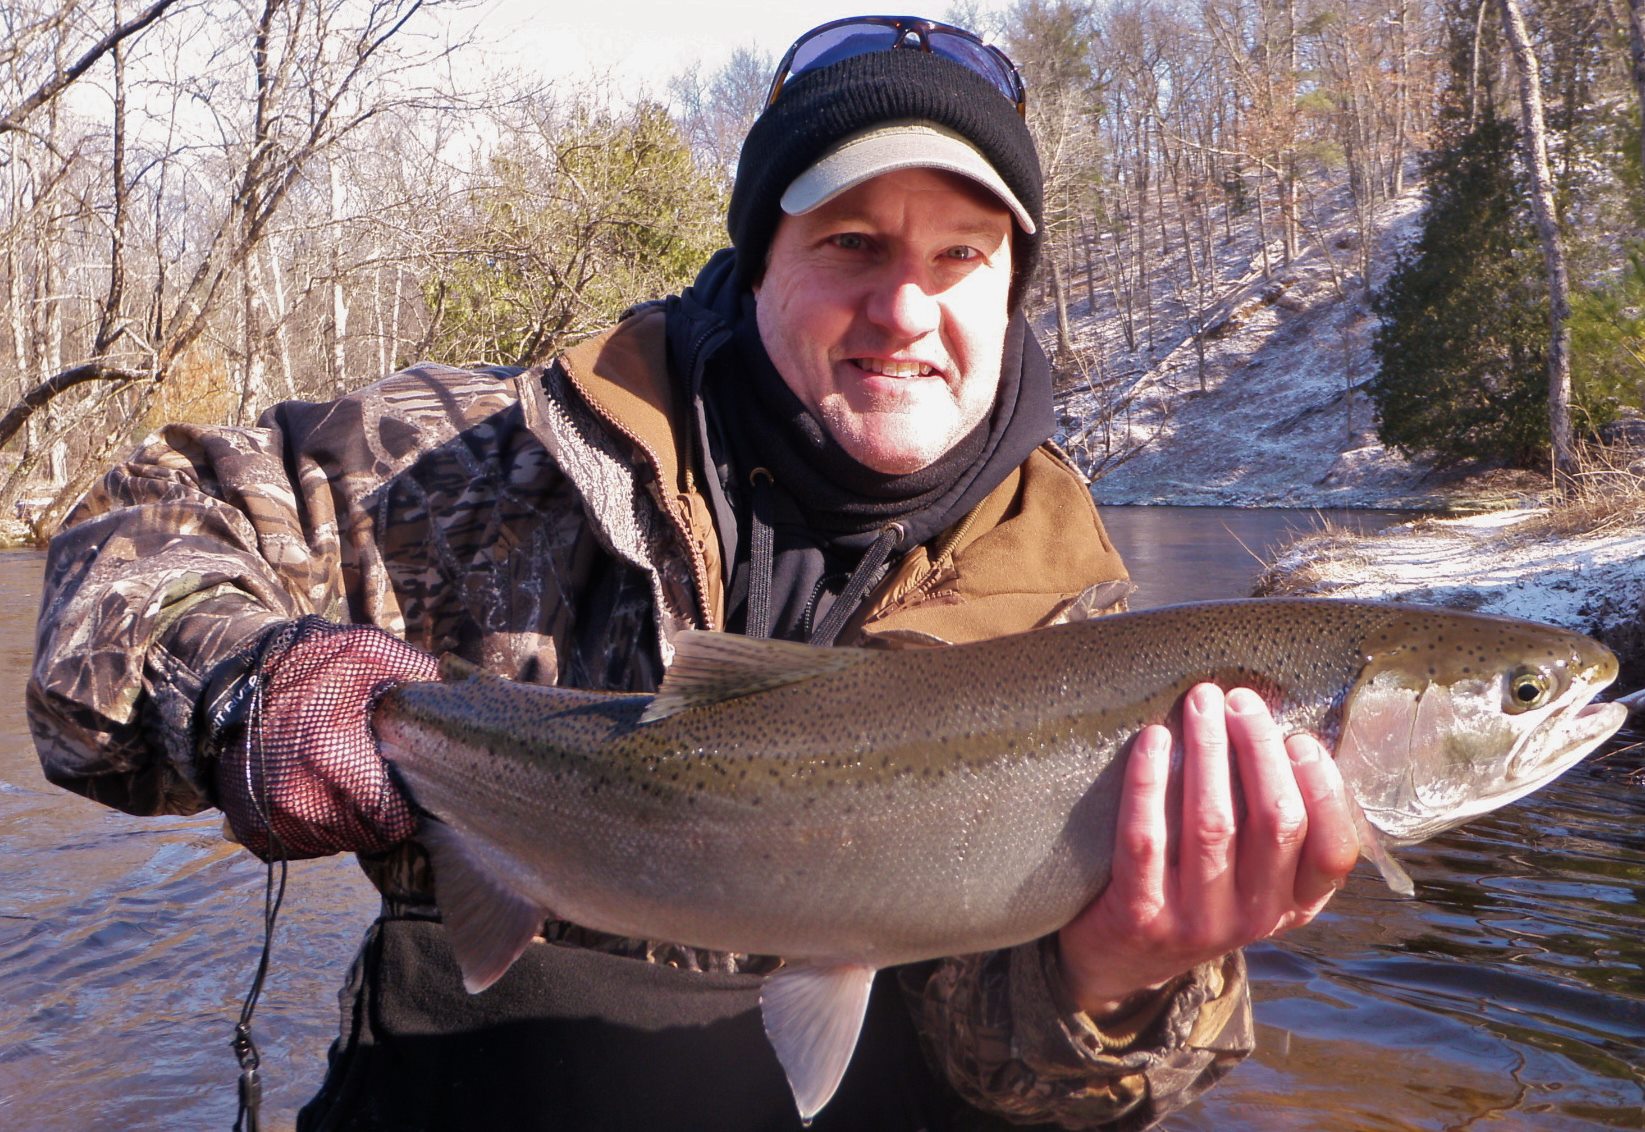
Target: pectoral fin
x=489, y=925
x=1373, y=847
x=812, y=1018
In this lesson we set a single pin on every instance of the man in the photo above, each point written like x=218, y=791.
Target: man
x=838, y=434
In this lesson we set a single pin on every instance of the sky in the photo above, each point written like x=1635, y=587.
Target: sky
x=643, y=42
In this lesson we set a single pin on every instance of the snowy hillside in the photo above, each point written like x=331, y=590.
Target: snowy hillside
x=1281, y=421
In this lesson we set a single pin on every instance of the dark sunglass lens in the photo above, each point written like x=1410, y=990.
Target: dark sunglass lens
x=977, y=57
x=841, y=43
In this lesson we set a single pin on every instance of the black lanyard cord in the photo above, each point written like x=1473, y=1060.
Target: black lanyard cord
x=274, y=890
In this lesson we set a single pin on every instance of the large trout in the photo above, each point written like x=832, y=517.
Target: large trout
x=850, y=809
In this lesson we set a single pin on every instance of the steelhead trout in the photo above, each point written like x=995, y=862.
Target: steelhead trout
x=850, y=809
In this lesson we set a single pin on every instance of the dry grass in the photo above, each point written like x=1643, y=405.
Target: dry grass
x=1311, y=562
x=1606, y=494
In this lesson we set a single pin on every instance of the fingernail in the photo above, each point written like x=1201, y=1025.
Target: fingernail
x=1243, y=701
x=1206, y=699
x=1333, y=772
x=1156, y=744
x=1304, y=751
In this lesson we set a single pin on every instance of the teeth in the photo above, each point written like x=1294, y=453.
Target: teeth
x=897, y=369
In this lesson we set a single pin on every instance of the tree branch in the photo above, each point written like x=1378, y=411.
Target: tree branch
x=59, y=82
x=37, y=398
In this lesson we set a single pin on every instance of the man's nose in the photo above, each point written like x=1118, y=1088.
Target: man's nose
x=904, y=303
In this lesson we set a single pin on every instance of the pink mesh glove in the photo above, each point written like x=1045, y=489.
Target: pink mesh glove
x=299, y=774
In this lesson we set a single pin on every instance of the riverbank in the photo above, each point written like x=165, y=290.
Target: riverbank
x=1578, y=565
x=16, y=535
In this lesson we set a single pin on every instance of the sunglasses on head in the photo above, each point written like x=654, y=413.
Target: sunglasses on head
x=862, y=35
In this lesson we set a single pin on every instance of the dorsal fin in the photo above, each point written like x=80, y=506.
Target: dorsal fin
x=711, y=668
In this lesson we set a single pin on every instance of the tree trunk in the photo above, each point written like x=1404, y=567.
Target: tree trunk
x=1402, y=107
x=1059, y=296
x=1473, y=65
x=1535, y=149
x=339, y=299
x=1636, y=57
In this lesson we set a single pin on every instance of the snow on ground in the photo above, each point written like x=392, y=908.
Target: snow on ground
x=1592, y=583
x=1280, y=423
x=1476, y=562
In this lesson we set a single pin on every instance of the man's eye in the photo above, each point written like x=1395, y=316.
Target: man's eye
x=963, y=252
x=849, y=241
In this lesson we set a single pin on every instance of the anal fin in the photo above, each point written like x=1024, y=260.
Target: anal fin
x=489, y=925
x=813, y=1016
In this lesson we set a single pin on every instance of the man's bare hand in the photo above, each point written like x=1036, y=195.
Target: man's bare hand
x=1201, y=877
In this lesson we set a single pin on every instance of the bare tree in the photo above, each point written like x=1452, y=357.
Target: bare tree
x=1534, y=150
x=61, y=76
x=1050, y=41
x=315, y=73
x=715, y=112
x=1636, y=59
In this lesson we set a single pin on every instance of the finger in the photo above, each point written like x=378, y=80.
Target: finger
x=1143, y=830
x=1094, y=946
x=1332, y=845
x=1275, y=825
x=1206, y=872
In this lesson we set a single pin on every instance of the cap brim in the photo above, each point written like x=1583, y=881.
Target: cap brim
x=887, y=149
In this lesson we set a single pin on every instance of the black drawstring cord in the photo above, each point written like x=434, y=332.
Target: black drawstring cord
x=246, y=1118
x=868, y=573
x=245, y=1049
x=761, y=557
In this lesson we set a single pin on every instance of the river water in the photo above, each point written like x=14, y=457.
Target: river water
x=1509, y=995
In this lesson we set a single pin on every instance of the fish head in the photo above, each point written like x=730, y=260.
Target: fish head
x=1454, y=715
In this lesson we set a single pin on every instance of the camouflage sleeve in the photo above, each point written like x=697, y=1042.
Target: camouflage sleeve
x=186, y=553
x=1010, y=1039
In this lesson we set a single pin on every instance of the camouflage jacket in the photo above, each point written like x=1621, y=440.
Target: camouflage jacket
x=505, y=517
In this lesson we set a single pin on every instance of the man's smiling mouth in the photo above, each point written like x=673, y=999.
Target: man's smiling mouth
x=889, y=368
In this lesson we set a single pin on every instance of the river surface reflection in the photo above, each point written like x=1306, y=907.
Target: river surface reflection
x=1509, y=995
x=1206, y=553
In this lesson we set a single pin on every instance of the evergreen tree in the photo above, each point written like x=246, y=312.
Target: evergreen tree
x=573, y=222
x=1608, y=344
x=1464, y=313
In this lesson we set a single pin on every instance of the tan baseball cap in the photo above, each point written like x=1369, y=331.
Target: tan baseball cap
x=888, y=148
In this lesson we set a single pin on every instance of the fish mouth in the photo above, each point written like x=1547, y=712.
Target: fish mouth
x=1562, y=742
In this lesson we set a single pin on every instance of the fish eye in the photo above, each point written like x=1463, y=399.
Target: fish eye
x=1528, y=688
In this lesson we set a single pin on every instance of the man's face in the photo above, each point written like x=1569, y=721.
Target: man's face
x=885, y=312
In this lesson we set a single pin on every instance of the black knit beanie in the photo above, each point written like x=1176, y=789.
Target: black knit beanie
x=828, y=105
